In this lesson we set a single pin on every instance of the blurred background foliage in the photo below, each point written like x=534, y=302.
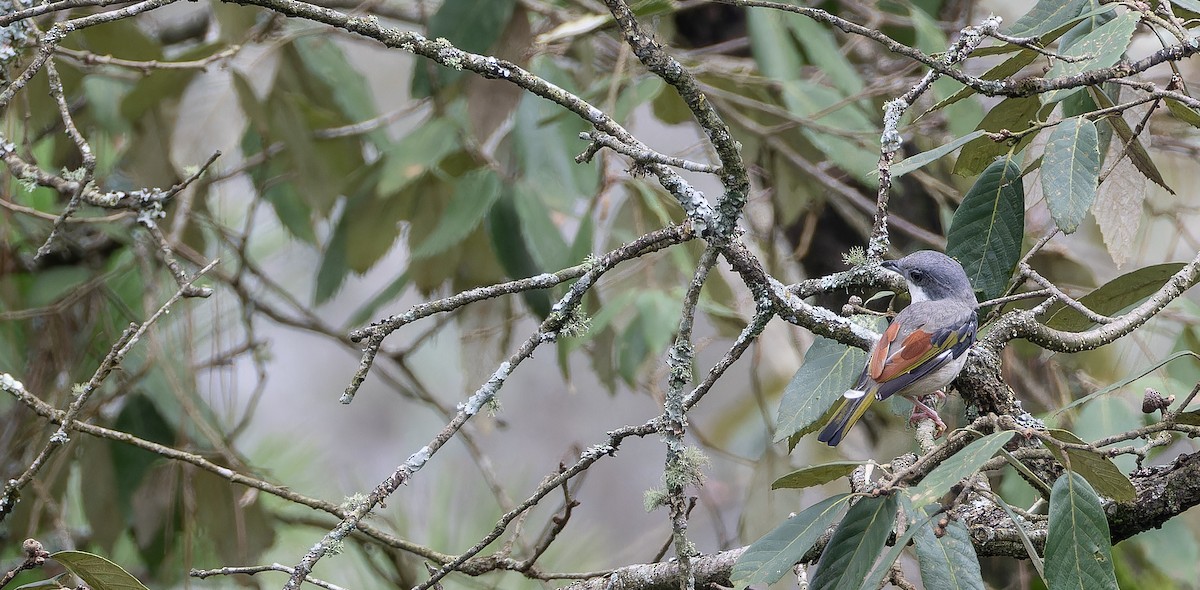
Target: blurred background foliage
x=346, y=167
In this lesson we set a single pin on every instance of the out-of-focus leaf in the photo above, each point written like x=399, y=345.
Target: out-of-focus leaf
x=1070, y=172
x=101, y=506
x=919, y=160
x=816, y=475
x=774, y=52
x=139, y=417
x=473, y=197
x=542, y=235
x=948, y=562
x=272, y=180
x=1078, y=547
x=1133, y=145
x=960, y=465
x=1013, y=114
x=1098, y=470
x=985, y=234
x=385, y=296
x=1102, y=47
x=635, y=95
x=1045, y=16
x=670, y=108
x=1118, y=209
x=336, y=263
x=769, y=558
x=822, y=50
x=1113, y=297
x=48, y=584
x=856, y=544
x=1183, y=112
x=1126, y=381
x=829, y=369
x=545, y=143
x=809, y=100
x=323, y=58
x=98, y=572
x=504, y=227
x=417, y=152
x=470, y=25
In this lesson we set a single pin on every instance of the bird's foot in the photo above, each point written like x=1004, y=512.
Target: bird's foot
x=924, y=412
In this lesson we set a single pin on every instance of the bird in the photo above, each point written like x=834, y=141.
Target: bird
x=923, y=349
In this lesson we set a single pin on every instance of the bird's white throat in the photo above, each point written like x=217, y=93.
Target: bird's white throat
x=916, y=293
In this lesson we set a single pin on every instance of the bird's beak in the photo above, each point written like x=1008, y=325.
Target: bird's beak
x=890, y=265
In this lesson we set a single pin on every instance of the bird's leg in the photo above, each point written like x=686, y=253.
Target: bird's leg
x=922, y=411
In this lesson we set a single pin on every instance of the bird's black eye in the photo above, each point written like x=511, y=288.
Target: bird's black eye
x=916, y=275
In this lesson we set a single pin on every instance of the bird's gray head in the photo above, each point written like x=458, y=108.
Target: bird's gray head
x=933, y=276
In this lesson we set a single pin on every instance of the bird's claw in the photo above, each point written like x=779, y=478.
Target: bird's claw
x=924, y=412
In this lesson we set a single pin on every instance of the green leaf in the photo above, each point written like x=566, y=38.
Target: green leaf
x=772, y=46
x=822, y=50
x=874, y=580
x=1092, y=19
x=542, y=235
x=985, y=234
x=960, y=465
x=1113, y=297
x=829, y=369
x=1134, y=149
x=1103, y=47
x=508, y=240
x=98, y=572
x=385, y=296
x=47, y=584
x=1183, y=112
x=1191, y=418
x=1045, y=16
x=360, y=207
x=470, y=25
x=474, y=194
x=816, y=475
x=1012, y=114
x=324, y=59
x=1100, y=471
x=769, y=558
x=418, y=151
x=821, y=104
x=1071, y=171
x=919, y=160
x=948, y=562
x=1078, y=546
x=856, y=544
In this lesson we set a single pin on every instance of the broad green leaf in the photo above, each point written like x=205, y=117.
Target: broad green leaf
x=829, y=369
x=772, y=47
x=816, y=475
x=874, y=580
x=508, y=240
x=919, y=160
x=769, y=558
x=1045, y=16
x=1102, y=47
x=1133, y=145
x=812, y=101
x=856, y=544
x=985, y=234
x=1113, y=297
x=545, y=143
x=470, y=25
x=324, y=59
x=542, y=235
x=948, y=562
x=416, y=152
x=960, y=465
x=1081, y=103
x=474, y=194
x=1101, y=472
x=1012, y=114
x=1078, y=546
x=1071, y=171
x=1192, y=417
x=1183, y=112
x=336, y=262
x=98, y=572
x=822, y=50
x=54, y=583
x=1091, y=20
x=636, y=94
